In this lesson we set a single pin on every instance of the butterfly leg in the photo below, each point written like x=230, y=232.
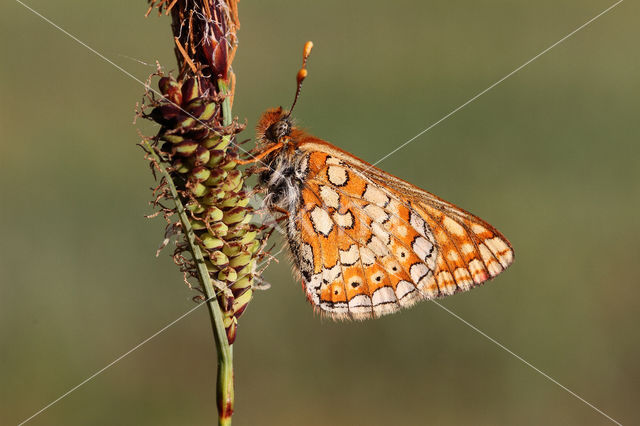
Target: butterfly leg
x=284, y=212
x=259, y=157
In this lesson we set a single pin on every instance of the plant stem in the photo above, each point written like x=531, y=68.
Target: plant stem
x=225, y=391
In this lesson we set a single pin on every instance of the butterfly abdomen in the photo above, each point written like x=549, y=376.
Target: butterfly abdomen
x=283, y=181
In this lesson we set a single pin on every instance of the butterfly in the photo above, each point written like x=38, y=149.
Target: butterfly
x=365, y=243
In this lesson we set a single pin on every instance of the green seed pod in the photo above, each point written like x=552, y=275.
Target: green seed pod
x=195, y=107
x=185, y=148
x=197, y=225
x=170, y=89
x=180, y=165
x=240, y=286
x=201, y=156
x=235, y=215
x=200, y=173
x=246, y=219
x=207, y=112
x=198, y=189
x=189, y=90
x=231, y=326
x=240, y=302
x=172, y=138
x=232, y=180
x=244, y=199
x=217, y=176
x=216, y=157
x=214, y=214
x=211, y=242
x=228, y=320
x=194, y=206
x=230, y=165
x=232, y=249
x=239, y=186
x=219, y=229
x=228, y=274
x=241, y=260
x=223, y=144
x=236, y=232
x=186, y=123
x=229, y=202
x=246, y=270
x=212, y=142
x=253, y=246
x=248, y=237
x=210, y=198
x=219, y=260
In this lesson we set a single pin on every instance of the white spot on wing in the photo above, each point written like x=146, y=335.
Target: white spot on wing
x=418, y=271
x=313, y=288
x=453, y=256
x=330, y=197
x=383, y=295
x=339, y=308
x=306, y=258
x=351, y=256
x=478, y=229
x=418, y=223
x=381, y=233
x=355, y=281
x=377, y=246
x=329, y=275
x=360, y=304
x=344, y=220
x=375, y=195
x=446, y=283
x=467, y=248
x=377, y=214
x=454, y=227
x=321, y=221
x=463, y=279
x=422, y=247
x=501, y=250
x=477, y=271
x=493, y=266
x=403, y=289
x=337, y=175
x=333, y=160
x=367, y=257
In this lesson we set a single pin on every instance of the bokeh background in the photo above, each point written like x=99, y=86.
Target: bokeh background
x=550, y=157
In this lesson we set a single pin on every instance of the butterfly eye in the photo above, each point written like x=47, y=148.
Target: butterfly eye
x=278, y=130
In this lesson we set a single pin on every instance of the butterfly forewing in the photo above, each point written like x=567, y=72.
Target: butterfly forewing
x=370, y=243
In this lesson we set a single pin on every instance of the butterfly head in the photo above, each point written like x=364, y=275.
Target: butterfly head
x=275, y=125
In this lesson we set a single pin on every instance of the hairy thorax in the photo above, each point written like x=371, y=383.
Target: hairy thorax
x=283, y=180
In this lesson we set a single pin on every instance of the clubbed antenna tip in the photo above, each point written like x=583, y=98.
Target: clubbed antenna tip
x=302, y=73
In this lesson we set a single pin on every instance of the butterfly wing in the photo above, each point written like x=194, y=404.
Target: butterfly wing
x=370, y=243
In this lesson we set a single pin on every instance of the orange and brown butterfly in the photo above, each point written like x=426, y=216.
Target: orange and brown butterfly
x=366, y=243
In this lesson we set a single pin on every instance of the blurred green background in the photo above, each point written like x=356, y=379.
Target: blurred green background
x=550, y=157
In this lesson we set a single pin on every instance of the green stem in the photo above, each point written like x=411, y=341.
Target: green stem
x=225, y=388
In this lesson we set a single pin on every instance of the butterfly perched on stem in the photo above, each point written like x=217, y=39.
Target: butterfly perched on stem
x=366, y=243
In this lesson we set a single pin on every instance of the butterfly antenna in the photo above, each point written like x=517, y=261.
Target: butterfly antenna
x=302, y=73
